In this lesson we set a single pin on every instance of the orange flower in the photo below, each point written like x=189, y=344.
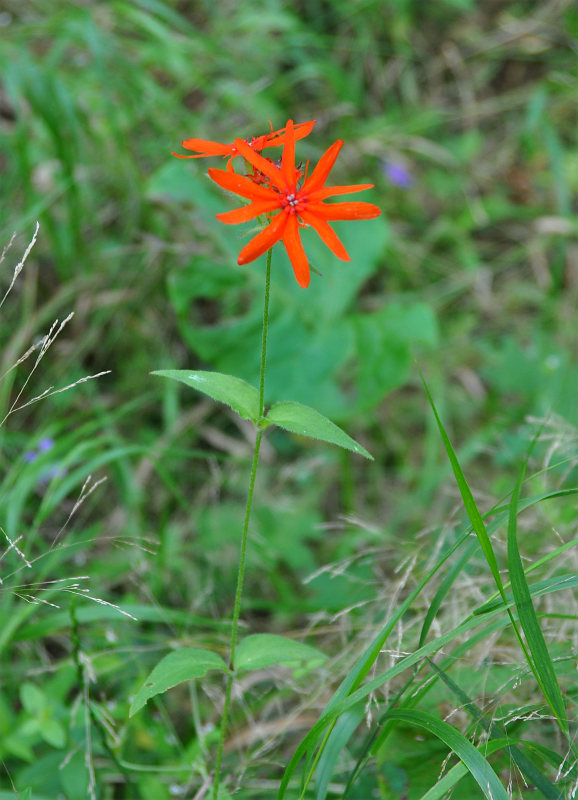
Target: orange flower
x=297, y=206
x=205, y=148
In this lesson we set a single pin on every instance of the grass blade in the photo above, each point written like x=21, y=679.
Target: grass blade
x=468, y=499
x=539, y=656
x=476, y=764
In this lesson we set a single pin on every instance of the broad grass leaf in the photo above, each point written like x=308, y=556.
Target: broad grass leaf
x=182, y=665
x=261, y=650
x=306, y=421
x=476, y=764
x=385, y=341
x=234, y=392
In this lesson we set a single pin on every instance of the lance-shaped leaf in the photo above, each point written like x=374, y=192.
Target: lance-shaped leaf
x=182, y=665
x=262, y=650
x=297, y=418
x=235, y=392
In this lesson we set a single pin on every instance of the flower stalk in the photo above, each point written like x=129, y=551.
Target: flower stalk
x=244, y=537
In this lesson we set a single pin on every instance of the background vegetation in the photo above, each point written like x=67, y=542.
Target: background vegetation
x=463, y=114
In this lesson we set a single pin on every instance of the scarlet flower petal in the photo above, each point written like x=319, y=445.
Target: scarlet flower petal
x=277, y=138
x=241, y=185
x=255, y=209
x=327, y=235
x=295, y=251
x=178, y=155
x=331, y=211
x=329, y=191
x=288, y=160
x=207, y=148
x=264, y=240
x=262, y=164
x=323, y=168
x=297, y=207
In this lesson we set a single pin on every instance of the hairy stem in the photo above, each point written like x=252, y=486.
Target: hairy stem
x=242, y=555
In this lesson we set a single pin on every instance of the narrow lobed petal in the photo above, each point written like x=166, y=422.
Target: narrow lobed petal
x=238, y=184
x=264, y=240
x=277, y=138
x=288, y=160
x=254, y=209
x=207, y=148
x=296, y=253
x=329, y=211
x=262, y=164
x=179, y=155
x=323, y=168
x=327, y=235
x=329, y=191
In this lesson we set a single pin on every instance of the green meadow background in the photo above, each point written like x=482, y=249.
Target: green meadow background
x=122, y=497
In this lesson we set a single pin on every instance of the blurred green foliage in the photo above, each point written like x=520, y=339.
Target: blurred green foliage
x=473, y=270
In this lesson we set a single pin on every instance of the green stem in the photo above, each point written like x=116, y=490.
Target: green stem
x=242, y=556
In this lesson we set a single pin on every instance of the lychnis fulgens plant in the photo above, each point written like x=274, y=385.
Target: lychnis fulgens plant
x=285, y=198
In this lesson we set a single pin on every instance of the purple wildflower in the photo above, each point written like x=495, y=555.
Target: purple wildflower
x=397, y=174
x=45, y=444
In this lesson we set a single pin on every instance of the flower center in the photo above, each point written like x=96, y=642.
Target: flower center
x=290, y=203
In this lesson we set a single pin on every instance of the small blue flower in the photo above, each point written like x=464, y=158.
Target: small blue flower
x=397, y=174
x=30, y=456
x=51, y=474
x=45, y=444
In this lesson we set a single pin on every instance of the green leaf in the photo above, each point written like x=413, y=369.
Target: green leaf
x=53, y=733
x=75, y=777
x=23, y=794
x=297, y=418
x=457, y=772
x=262, y=650
x=444, y=588
x=337, y=740
x=472, y=510
x=541, y=661
x=385, y=341
x=177, y=667
x=33, y=699
x=234, y=392
x=476, y=764
x=494, y=729
x=536, y=589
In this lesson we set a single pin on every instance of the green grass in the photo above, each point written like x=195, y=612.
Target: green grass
x=440, y=580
